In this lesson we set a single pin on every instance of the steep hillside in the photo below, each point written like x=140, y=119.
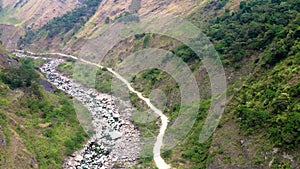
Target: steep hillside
x=33, y=14
x=5, y=60
x=262, y=125
x=259, y=48
x=110, y=10
x=107, y=11
x=56, y=33
x=38, y=129
x=26, y=15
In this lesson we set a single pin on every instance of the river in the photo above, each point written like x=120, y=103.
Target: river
x=159, y=161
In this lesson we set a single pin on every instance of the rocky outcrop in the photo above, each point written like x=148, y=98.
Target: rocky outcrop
x=115, y=140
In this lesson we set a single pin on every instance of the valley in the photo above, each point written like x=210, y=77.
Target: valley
x=103, y=129
x=91, y=94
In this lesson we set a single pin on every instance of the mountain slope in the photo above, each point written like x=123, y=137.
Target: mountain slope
x=5, y=60
x=261, y=127
x=107, y=11
x=38, y=129
x=33, y=14
x=258, y=42
x=18, y=16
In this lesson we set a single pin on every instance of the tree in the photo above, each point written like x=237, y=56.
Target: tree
x=107, y=20
x=243, y=4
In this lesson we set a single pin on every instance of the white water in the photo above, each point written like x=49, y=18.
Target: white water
x=159, y=161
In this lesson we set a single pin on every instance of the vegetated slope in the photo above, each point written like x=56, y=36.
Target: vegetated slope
x=261, y=127
x=258, y=42
x=28, y=15
x=38, y=129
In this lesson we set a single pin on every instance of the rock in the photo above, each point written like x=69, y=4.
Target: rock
x=115, y=135
x=45, y=125
x=78, y=158
x=2, y=140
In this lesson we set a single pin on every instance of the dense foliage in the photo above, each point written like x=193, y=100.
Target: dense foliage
x=270, y=103
x=257, y=25
x=267, y=30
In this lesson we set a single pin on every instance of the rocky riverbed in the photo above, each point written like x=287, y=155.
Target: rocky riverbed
x=115, y=140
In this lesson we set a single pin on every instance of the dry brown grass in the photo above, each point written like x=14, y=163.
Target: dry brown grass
x=36, y=13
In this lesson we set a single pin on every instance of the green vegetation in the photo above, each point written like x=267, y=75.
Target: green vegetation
x=190, y=153
x=21, y=77
x=256, y=26
x=266, y=32
x=270, y=102
x=221, y=4
x=264, y=106
x=187, y=154
x=127, y=17
x=5, y=16
x=100, y=79
x=45, y=122
x=185, y=53
x=148, y=80
x=67, y=67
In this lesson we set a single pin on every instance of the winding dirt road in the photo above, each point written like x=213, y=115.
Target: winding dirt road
x=159, y=161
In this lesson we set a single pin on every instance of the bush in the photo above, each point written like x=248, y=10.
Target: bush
x=255, y=29
x=253, y=119
x=285, y=130
x=185, y=53
x=19, y=77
